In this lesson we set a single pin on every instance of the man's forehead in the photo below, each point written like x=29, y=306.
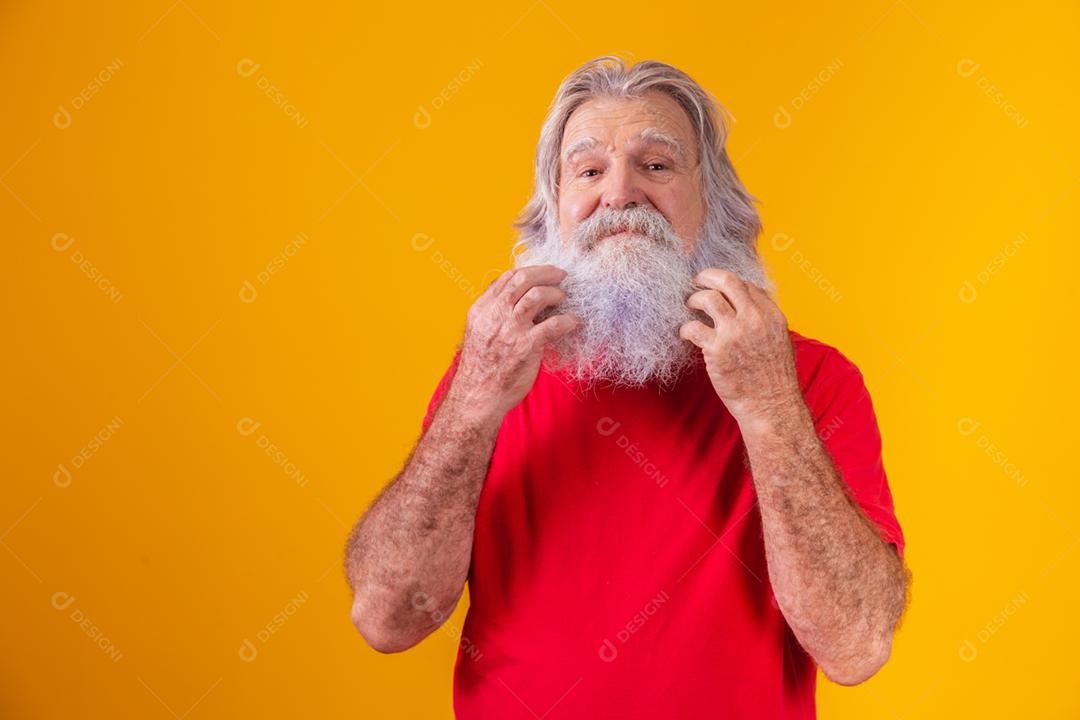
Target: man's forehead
x=603, y=121
x=650, y=135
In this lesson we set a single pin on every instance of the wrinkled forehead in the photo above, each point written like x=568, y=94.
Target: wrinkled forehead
x=622, y=124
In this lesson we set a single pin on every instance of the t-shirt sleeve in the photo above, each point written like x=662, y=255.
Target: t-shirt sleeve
x=846, y=423
x=440, y=392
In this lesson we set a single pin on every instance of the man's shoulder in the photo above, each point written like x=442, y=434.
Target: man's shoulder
x=819, y=363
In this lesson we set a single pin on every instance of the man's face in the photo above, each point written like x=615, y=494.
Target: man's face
x=631, y=236
x=630, y=213
x=617, y=153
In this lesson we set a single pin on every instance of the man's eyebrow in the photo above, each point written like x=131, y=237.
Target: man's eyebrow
x=648, y=135
x=579, y=146
x=655, y=135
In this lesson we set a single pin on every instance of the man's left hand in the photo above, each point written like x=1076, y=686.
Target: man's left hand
x=748, y=353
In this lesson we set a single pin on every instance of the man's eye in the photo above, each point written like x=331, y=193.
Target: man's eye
x=656, y=166
x=585, y=173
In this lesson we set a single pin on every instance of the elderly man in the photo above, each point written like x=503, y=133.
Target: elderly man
x=665, y=503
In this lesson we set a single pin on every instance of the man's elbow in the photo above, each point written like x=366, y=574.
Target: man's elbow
x=380, y=635
x=859, y=669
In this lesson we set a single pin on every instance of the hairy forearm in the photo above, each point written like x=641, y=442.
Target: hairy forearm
x=840, y=587
x=407, y=559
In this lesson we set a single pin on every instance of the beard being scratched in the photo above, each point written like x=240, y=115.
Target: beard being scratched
x=628, y=278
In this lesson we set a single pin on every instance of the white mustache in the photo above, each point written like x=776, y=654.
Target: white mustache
x=638, y=220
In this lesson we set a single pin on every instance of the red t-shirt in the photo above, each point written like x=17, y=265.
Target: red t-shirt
x=618, y=565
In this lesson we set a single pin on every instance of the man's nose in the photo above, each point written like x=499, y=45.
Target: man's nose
x=621, y=189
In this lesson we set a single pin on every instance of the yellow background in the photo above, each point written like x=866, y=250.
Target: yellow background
x=920, y=214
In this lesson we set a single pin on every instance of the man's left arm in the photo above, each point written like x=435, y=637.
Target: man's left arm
x=840, y=586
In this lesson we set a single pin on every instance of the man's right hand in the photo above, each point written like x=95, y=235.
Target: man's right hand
x=503, y=346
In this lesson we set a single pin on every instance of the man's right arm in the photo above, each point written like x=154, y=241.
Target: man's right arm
x=408, y=557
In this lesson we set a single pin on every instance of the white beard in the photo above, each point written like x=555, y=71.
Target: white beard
x=630, y=292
